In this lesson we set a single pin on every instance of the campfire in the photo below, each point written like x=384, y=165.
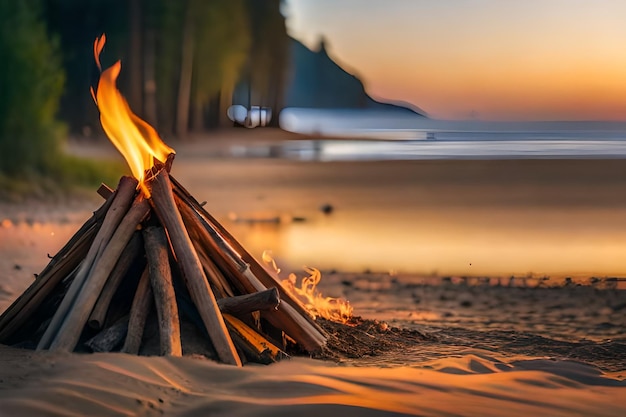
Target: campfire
x=152, y=248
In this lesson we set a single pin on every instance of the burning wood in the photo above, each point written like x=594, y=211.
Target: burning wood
x=100, y=291
x=330, y=308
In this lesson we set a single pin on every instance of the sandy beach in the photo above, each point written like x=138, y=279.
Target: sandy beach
x=425, y=246
x=475, y=384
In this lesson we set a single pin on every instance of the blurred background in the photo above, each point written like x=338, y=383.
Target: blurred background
x=407, y=66
x=465, y=137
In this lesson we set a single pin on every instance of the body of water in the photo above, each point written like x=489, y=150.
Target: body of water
x=447, y=197
x=462, y=148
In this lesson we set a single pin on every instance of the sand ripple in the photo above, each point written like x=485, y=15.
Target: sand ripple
x=476, y=383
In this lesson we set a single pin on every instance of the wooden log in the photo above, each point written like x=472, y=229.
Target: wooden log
x=200, y=225
x=230, y=245
x=245, y=304
x=105, y=191
x=61, y=265
x=109, y=338
x=69, y=332
x=139, y=310
x=256, y=347
x=23, y=308
x=228, y=264
x=122, y=200
x=216, y=278
x=128, y=256
x=156, y=245
x=288, y=319
x=213, y=273
x=197, y=284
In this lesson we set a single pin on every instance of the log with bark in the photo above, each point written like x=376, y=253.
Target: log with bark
x=197, y=284
x=153, y=257
x=163, y=290
x=61, y=265
x=139, y=310
x=193, y=269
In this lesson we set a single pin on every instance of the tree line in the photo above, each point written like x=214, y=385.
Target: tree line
x=181, y=59
x=181, y=62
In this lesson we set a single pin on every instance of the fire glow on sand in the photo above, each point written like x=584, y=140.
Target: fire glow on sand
x=151, y=247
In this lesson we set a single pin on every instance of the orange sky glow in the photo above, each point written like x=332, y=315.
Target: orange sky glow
x=485, y=59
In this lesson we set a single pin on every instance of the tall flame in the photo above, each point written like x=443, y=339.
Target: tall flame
x=333, y=309
x=136, y=140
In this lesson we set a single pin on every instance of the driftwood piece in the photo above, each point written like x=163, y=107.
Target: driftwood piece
x=196, y=281
x=219, y=283
x=230, y=264
x=255, y=346
x=61, y=265
x=142, y=303
x=156, y=245
x=109, y=338
x=105, y=191
x=298, y=326
x=198, y=223
x=23, y=308
x=213, y=273
x=230, y=245
x=69, y=332
x=245, y=304
x=128, y=256
x=122, y=200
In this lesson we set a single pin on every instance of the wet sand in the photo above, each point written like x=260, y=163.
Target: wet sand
x=452, y=217
x=495, y=217
x=497, y=349
x=498, y=218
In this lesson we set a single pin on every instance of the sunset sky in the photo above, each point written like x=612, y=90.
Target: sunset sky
x=485, y=59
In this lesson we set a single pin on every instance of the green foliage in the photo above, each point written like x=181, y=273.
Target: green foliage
x=31, y=83
x=32, y=161
x=75, y=24
x=222, y=41
x=220, y=33
x=69, y=175
x=170, y=18
x=268, y=57
x=233, y=40
x=72, y=170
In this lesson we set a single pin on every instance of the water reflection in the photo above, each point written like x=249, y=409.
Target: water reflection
x=450, y=241
x=469, y=217
x=376, y=150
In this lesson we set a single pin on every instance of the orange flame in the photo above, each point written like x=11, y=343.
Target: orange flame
x=334, y=309
x=136, y=140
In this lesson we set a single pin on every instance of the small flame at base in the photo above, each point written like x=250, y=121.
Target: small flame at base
x=329, y=308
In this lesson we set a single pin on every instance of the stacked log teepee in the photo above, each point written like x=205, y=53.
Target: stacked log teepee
x=152, y=257
x=162, y=260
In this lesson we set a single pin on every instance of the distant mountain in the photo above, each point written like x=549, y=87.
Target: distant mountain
x=316, y=81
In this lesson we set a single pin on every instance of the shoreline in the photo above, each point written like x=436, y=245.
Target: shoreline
x=492, y=218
